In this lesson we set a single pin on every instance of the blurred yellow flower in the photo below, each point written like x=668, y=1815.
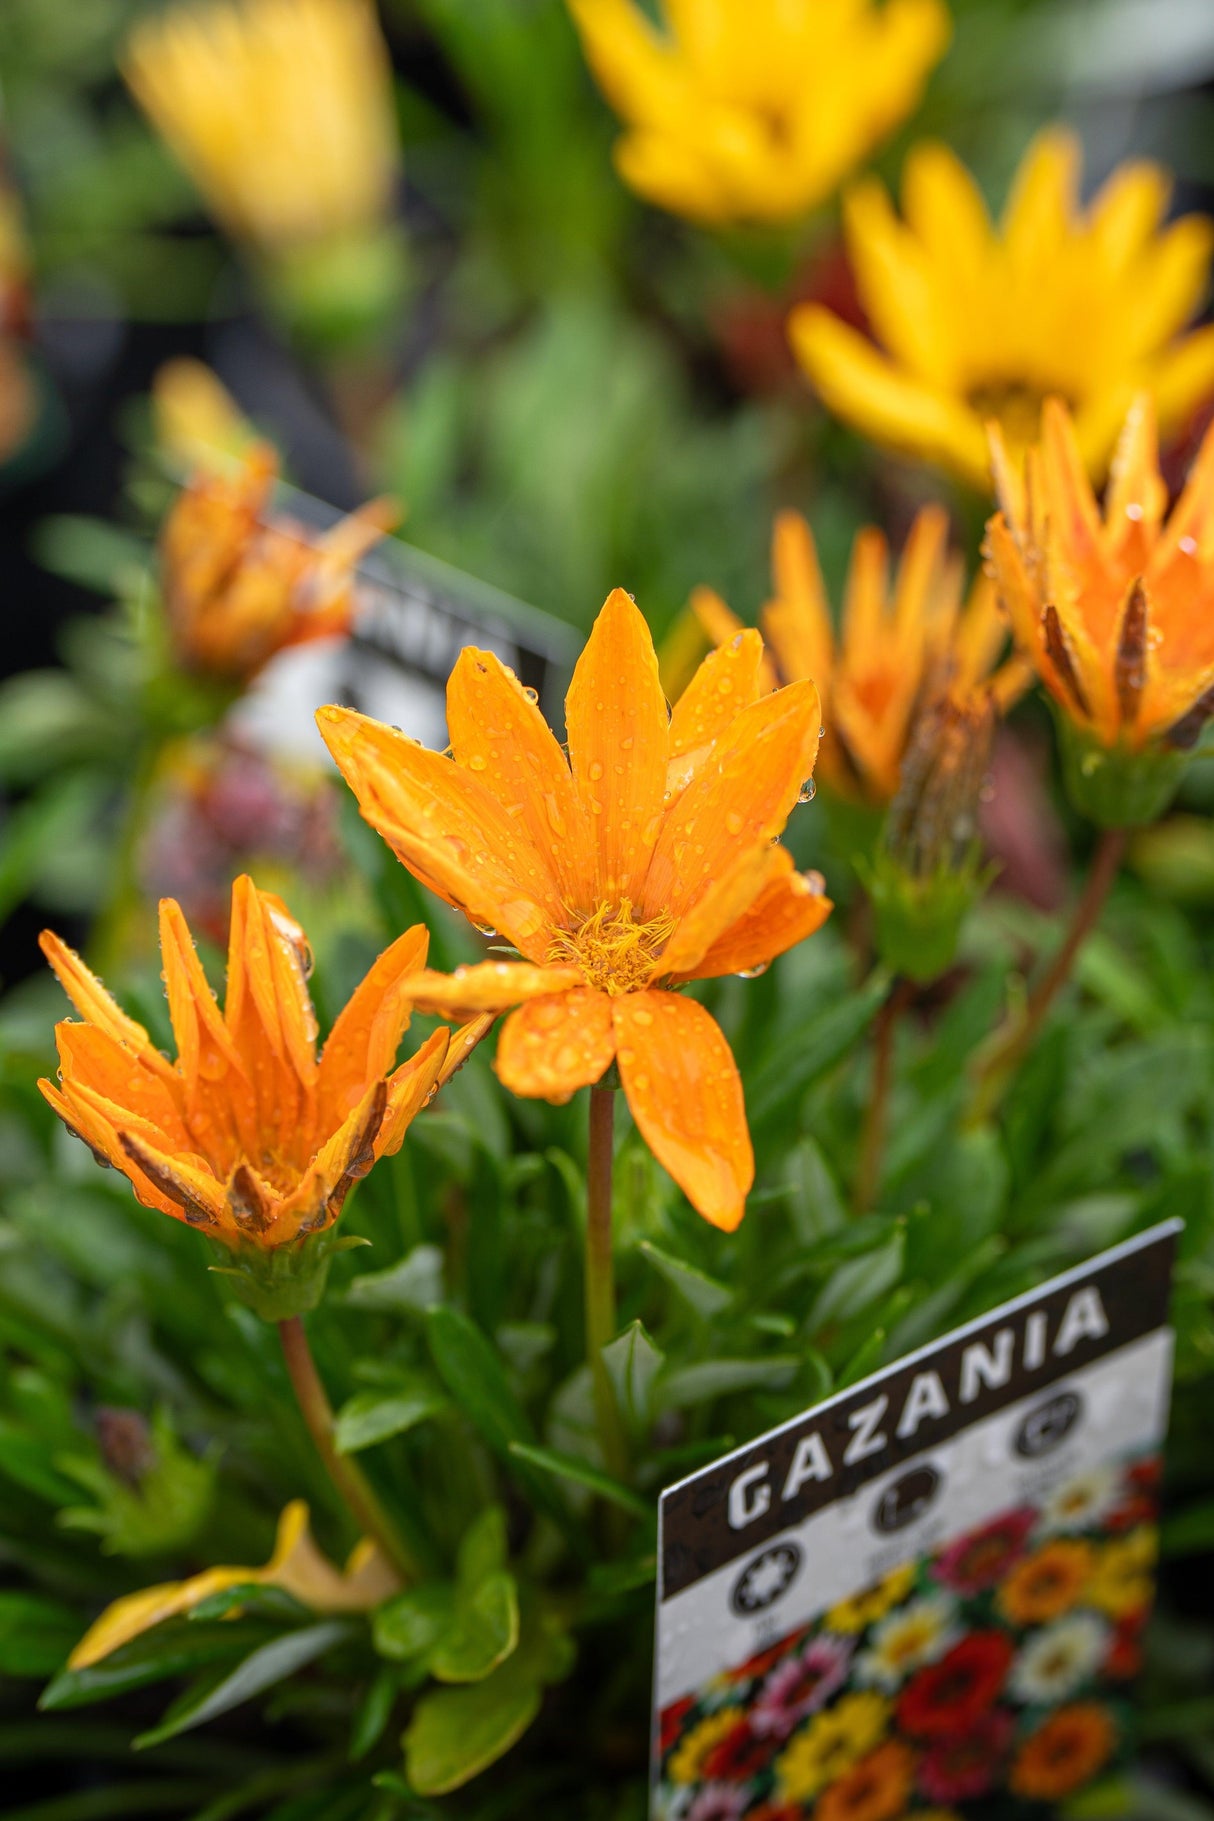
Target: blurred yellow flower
x=974, y=322
x=756, y=110
x=866, y=1608
x=297, y=1566
x=198, y=423
x=1123, y=1580
x=280, y=110
x=829, y=1746
x=899, y=642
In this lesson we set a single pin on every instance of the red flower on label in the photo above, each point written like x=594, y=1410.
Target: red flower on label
x=672, y=1721
x=950, y=1696
x=980, y=1560
x=740, y=1755
x=958, y=1769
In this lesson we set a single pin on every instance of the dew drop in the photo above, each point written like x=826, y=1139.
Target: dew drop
x=628, y=743
x=476, y=762
x=641, y=1084
x=807, y=792
x=532, y=695
x=595, y=772
x=484, y=929
x=753, y=973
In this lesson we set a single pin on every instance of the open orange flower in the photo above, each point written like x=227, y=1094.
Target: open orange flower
x=248, y=1136
x=643, y=860
x=896, y=645
x=239, y=589
x=1115, y=611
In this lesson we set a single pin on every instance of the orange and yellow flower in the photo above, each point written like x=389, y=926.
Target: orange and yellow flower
x=1064, y=1753
x=248, y=1136
x=974, y=323
x=1114, y=610
x=644, y=859
x=1047, y=1583
x=296, y=1566
x=239, y=588
x=754, y=110
x=876, y=1789
x=899, y=643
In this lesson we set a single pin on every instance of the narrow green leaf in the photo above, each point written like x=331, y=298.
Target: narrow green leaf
x=699, y=1383
x=373, y=1714
x=568, y=1467
x=856, y=1285
x=633, y=1363
x=373, y=1416
x=264, y=1667
x=700, y=1292
x=177, y=1648
x=408, y=1288
x=805, y=1054
x=474, y=1376
x=35, y=1634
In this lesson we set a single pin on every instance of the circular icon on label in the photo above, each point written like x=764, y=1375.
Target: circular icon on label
x=906, y=1499
x=1049, y=1424
x=765, y=1579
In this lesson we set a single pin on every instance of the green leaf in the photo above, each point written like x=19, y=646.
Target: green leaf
x=483, y=1548
x=807, y=1052
x=483, y=1634
x=409, y=1626
x=410, y=1287
x=474, y=1376
x=858, y=1283
x=174, y=1649
x=262, y=1669
x=700, y=1292
x=817, y=1206
x=1189, y=1532
x=633, y=1363
x=458, y=1732
x=253, y=1600
x=35, y=1634
x=581, y=1473
x=372, y=1416
x=373, y=1714
x=709, y=1378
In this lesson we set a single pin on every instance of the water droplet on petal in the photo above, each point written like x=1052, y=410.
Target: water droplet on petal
x=807, y=791
x=476, y=762
x=595, y=772
x=753, y=973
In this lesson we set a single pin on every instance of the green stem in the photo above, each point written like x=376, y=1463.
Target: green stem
x=348, y=1478
x=600, y=1277
x=1007, y=1049
x=872, y=1143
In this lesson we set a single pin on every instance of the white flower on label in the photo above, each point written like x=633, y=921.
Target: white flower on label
x=906, y=1640
x=1082, y=1502
x=1057, y=1661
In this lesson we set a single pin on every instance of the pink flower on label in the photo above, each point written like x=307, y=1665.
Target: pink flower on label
x=800, y=1686
x=981, y=1559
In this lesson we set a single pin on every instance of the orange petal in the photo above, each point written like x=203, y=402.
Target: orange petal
x=93, y=1002
x=686, y=1096
x=194, y=1194
x=488, y=986
x=409, y=1089
x=269, y=1013
x=737, y=803
x=366, y=1033
x=796, y=622
x=552, y=1047
x=619, y=740
x=789, y=907
x=444, y=825
x=462, y=1043
x=90, y=1057
x=317, y=1199
x=727, y=681
x=497, y=731
x=218, y=1096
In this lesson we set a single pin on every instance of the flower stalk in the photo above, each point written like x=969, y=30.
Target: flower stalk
x=1009, y=1046
x=600, y=1278
x=876, y=1121
x=348, y=1479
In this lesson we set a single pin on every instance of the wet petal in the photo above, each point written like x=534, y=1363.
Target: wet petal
x=789, y=907
x=727, y=681
x=552, y=1047
x=618, y=747
x=497, y=732
x=193, y=1193
x=488, y=986
x=366, y=1033
x=218, y=1095
x=443, y=824
x=90, y=1057
x=317, y=1199
x=410, y=1088
x=268, y=1013
x=462, y=1042
x=686, y=1096
x=93, y=1002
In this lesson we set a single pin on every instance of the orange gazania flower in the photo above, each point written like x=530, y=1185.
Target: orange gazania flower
x=876, y=1789
x=644, y=859
x=1115, y=610
x=897, y=644
x=1064, y=1753
x=248, y=1135
x=238, y=589
x=1048, y=1583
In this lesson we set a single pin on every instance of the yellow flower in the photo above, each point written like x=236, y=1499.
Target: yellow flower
x=901, y=639
x=756, y=110
x=976, y=322
x=280, y=110
x=197, y=421
x=831, y=1743
x=1123, y=1579
x=865, y=1608
x=687, y=1763
x=297, y=1566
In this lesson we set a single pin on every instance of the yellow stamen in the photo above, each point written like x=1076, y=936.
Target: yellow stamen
x=615, y=952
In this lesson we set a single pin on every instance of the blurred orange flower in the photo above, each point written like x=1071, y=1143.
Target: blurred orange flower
x=238, y=589
x=1065, y=1752
x=644, y=859
x=1048, y=1583
x=247, y=1136
x=1115, y=610
x=976, y=322
x=897, y=645
x=752, y=110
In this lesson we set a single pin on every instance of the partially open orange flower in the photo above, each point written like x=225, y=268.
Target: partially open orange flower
x=644, y=859
x=896, y=644
x=239, y=589
x=248, y=1135
x=1115, y=611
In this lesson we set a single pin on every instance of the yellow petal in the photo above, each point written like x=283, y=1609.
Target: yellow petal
x=366, y=1033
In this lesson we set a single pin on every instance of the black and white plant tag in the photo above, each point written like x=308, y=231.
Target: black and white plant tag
x=925, y=1597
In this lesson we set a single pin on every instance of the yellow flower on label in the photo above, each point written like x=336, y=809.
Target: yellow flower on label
x=1123, y=1580
x=756, y=110
x=865, y=1608
x=296, y=1566
x=830, y=1745
x=974, y=322
x=687, y=1763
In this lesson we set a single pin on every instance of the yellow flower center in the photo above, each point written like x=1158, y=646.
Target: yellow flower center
x=615, y=952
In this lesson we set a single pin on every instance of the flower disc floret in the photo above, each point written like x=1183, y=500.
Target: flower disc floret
x=615, y=951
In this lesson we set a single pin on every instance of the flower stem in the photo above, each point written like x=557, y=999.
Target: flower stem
x=348, y=1478
x=872, y=1142
x=600, y=1277
x=1009, y=1045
